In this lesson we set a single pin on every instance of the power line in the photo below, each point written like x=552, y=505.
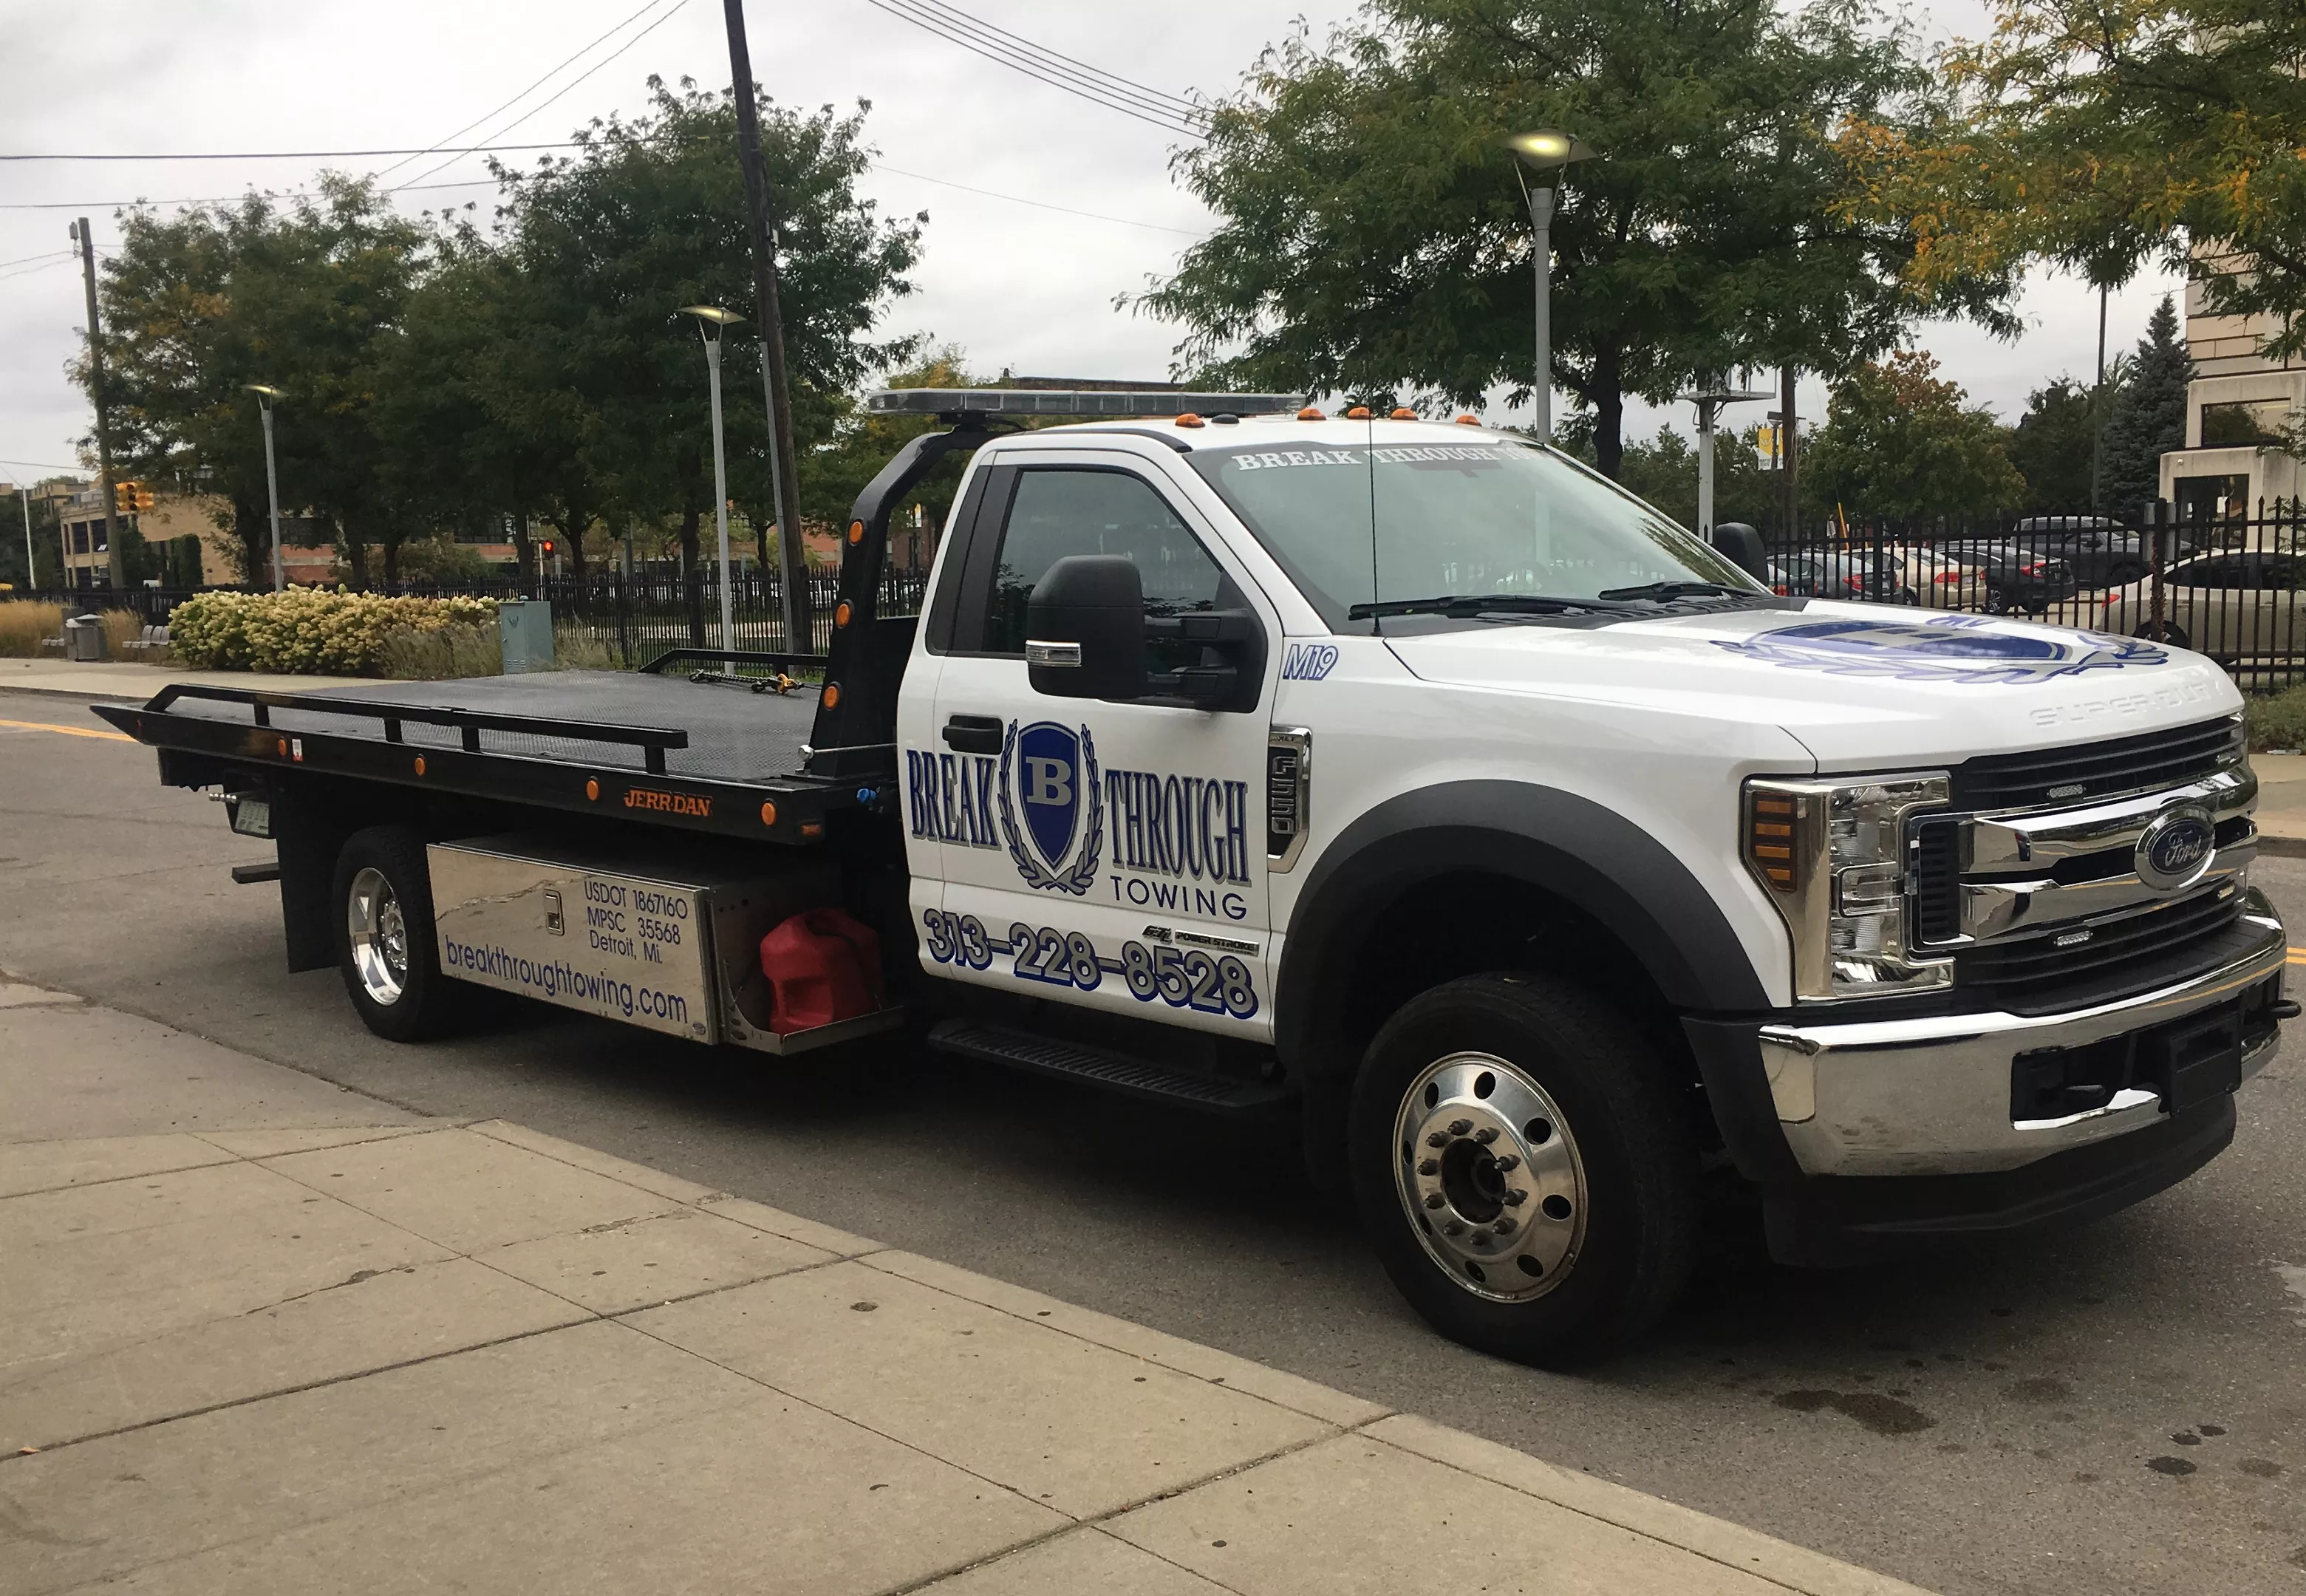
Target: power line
x=541, y=104
x=1145, y=105
x=1015, y=44
x=1038, y=204
x=524, y=93
x=289, y=155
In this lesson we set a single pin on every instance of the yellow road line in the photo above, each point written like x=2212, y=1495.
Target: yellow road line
x=110, y=736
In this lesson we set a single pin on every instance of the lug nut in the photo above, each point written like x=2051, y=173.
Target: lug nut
x=1509, y=1164
x=1504, y=1228
x=1453, y=1229
x=1437, y=1140
x=1434, y=1199
x=1486, y=1135
x=1459, y=1127
x=1517, y=1198
x=1430, y=1166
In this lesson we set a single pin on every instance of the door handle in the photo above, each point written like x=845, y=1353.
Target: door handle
x=973, y=734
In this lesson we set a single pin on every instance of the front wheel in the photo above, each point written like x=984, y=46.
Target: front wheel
x=1524, y=1168
x=384, y=936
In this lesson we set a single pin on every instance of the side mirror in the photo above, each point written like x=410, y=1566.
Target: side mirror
x=1085, y=629
x=1743, y=546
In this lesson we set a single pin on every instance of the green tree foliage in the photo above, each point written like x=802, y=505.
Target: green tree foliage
x=1901, y=442
x=2052, y=448
x=2148, y=416
x=1662, y=470
x=443, y=381
x=2100, y=133
x=1373, y=236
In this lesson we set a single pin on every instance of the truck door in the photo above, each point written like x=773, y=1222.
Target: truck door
x=1114, y=856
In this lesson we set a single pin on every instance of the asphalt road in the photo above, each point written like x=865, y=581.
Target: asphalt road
x=2119, y=1408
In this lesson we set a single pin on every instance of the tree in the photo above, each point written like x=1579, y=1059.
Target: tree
x=2054, y=448
x=2101, y=133
x=1664, y=472
x=200, y=305
x=2148, y=416
x=607, y=244
x=1373, y=237
x=1900, y=443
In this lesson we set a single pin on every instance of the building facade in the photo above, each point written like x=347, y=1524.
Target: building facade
x=2237, y=408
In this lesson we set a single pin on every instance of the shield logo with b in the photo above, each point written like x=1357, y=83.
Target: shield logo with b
x=1051, y=770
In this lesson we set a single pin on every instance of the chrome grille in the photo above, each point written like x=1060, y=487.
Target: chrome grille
x=2088, y=772
x=2166, y=934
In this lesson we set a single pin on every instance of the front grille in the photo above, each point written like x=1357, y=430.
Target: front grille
x=2163, y=935
x=2088, y=770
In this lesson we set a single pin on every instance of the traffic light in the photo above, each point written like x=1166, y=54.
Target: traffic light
x=144, y=500
x=546, y=546
x=124, y=497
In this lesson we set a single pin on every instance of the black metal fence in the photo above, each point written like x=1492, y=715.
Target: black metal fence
x=2231, y=586
x=634, y=618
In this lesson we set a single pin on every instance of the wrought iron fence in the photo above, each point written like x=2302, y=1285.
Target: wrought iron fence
x=2233, y=586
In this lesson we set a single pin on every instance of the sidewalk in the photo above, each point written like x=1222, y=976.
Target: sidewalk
x=128, y=679
x=259, y=1334
x=2281, y=802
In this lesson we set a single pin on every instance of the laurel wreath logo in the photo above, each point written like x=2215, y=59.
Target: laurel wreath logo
x=2113, y=653
x=1083, y=875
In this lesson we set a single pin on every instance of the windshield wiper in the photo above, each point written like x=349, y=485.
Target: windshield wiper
x=1486, y=604
x=1680, y=589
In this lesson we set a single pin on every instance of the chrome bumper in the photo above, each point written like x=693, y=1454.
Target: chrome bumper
x=1932, y=1095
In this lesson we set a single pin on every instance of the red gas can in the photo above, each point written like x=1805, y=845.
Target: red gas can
x=823, y=966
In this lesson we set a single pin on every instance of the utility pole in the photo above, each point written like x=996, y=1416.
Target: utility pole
x=793, y=555
x=31, y=580
x=1788, y=444
x=117, y=556
x=2097, y=414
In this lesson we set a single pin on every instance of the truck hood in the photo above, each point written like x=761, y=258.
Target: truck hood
x=1859, y=685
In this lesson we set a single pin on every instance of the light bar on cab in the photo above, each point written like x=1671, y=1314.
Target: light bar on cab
x=1026, y=401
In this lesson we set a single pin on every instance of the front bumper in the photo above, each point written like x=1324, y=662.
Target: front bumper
x=1932, y=1095
x=1864, y=1134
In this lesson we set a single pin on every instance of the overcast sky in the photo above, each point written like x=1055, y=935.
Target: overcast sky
x=1017, y=285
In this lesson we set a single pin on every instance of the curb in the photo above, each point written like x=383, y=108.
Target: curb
x=2287, y=848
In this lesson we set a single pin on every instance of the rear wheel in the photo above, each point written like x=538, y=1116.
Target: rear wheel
x=1523, y=1168
x=384, y=936
x=2175, y=637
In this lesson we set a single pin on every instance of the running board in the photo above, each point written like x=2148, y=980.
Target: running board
x=1115, y=1071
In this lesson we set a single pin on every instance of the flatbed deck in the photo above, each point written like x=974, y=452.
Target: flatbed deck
x=660, y=749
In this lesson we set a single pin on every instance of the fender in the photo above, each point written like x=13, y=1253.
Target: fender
x=1567, y=845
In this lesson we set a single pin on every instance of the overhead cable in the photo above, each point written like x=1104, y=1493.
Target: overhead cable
x=1166, y=111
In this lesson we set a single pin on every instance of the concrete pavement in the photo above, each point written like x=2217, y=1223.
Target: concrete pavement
x=261, y=1332
x=129, y=679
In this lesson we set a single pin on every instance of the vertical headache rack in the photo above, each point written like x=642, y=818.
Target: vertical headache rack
x=855, y=732
x=651, y=740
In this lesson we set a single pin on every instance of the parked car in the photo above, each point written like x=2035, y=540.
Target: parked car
x=1797, y=577
x=2103, y=552
x=2229, y=605
x=2016, y=578
x=1863, y=573
x=1940, y=581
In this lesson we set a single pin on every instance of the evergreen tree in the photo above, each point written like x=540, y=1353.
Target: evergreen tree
x=2147, y=418
x=2052, y=445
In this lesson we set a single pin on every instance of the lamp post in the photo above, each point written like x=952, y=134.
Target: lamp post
x=264, y=401
x=1540, y=154
x=1709, y=402
x=710, y=321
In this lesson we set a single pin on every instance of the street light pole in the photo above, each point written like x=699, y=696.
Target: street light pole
x=1709, y=403
x=264, y=398
x=30, y=580
x=710, y=320
x=116, y=557
x=1541, y=154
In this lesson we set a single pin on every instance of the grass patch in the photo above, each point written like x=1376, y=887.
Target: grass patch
x=24, y=626
x=463, y=649
x=2275, y=721
x=121, y=628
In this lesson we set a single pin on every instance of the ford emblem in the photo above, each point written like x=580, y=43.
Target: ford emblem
x=2176, y=850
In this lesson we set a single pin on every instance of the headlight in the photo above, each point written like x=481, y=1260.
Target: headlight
x=1831, y=855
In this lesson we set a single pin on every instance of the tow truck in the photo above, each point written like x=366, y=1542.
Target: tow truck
x=1401, y=780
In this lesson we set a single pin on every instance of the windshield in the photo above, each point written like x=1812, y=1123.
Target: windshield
x=1387, y=524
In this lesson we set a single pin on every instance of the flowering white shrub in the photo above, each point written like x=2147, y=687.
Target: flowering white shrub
x=307, y=631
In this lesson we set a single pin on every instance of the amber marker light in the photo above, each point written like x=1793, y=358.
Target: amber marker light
x=1405, y=413
x=1469, y=420
x=841, y=613
x=768, y=814
x=1311, y=415
x=419, y=764
x=1190, y=420
x=1770, y=839
x=832, y=694
x=593, y=789
x=1359, y=413
x=857, y=531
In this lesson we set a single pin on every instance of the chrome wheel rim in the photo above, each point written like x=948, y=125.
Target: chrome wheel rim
x=379, y=937
x=1490, y=1178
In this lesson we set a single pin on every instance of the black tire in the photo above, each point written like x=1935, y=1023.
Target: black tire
x=2175, y=637
x=398, y=950
x=1625, y=1141
x=2123, y=575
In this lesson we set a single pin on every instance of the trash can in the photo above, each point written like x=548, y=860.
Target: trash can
x=524, y=627
x=83, y=638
